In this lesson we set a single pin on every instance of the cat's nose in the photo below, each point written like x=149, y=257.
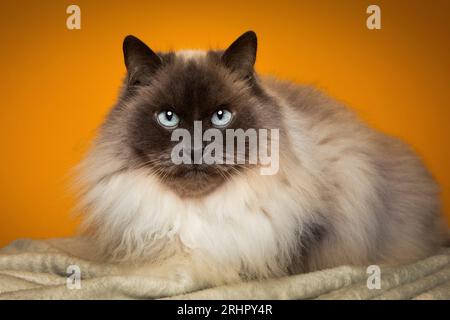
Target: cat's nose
x=197, y=153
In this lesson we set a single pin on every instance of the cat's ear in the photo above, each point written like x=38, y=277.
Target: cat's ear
x=241, y=54
x=140, y=60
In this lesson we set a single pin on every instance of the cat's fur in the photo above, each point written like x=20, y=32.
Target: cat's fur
x=344, y=193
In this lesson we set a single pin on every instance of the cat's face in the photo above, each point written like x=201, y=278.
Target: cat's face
x=167, y=92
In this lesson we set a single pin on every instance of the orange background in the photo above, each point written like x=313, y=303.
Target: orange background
x=57, y=84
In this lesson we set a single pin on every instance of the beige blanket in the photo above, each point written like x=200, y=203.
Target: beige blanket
x=31, y=269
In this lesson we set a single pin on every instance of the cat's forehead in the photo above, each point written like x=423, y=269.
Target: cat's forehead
x=191, y=54
x=196, y=82
x=194, y=60
x=197, y=76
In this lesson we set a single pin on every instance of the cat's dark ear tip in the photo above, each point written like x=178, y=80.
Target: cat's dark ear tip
x=129, y=39
x=251, y=35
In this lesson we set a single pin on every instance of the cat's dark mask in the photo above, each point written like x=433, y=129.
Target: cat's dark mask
x=191, y=86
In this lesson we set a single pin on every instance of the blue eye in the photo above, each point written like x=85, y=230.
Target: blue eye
x=221, y=118
x=168, y=119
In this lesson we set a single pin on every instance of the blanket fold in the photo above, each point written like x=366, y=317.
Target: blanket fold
x=38, y=269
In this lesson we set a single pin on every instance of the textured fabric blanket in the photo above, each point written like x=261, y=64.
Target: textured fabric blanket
x=31, y=269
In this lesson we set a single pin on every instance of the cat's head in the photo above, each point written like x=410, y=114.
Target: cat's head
x=164, y=92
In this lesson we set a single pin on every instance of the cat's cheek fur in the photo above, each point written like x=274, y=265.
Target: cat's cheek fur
x=249, y=226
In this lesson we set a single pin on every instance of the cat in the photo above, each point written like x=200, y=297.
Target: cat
x=344, y=194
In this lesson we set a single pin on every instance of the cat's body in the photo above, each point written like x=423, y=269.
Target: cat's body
x=344, y=193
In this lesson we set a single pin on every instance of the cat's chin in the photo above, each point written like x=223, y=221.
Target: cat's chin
x=194, y=184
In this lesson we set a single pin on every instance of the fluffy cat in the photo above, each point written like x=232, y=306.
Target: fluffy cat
x=344, y=193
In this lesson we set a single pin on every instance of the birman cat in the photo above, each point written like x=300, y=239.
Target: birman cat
x=343, y=194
